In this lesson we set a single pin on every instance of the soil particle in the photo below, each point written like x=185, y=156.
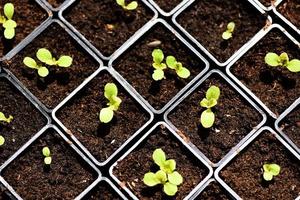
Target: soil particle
x=291, y=10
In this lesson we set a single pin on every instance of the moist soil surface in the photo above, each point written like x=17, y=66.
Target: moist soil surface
x=167, y=6
x=66, y=177
x=266, y=3
x=244, y=174
x=81, y=117
x=234, y=119
x=214, y=192
x=276, y=87
x=61, y=81
x=103, y=191
x=131, y=169
x=290, y=125
x=290, y=9
x=207, y=20
x=55, y=3
x=136, y=66
x=106, y=24
x=26, y=123
x=28, y=15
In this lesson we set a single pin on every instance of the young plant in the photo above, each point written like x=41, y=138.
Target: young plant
x=270, y=170
x=8, y=24
x=45, y=56
x=46, y=152
x=167, y=176
x=229, y=31
x=131, y=6
x=111, y=94
x=159, y=66
x=208, y=117
x=282, y=60
x=7, y=120
x=181, y=71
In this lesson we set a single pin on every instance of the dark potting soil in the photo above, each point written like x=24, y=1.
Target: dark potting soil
x=26, y=123
x=103, y=191
x=235, y=118
x=277, y=87
x=206, y=21
x=136, y=66
x=244, y=174
x=67, y=176
x=214, y=192
x=28, y=15
x=290, y=125
x=61, y=81
x=290, y=9
x=55, y=3
x=132, y=168
x=106, y=24
x=167, y=6
x=266, y=3
x=81, y=117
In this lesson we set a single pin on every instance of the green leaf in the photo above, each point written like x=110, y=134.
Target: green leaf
x=115, y=102
x=158, y=75
x=226, y=35
x=45, y=56
x=9, y=33
x=9, y=10
x=121, y=2
x=213, y=92
x=273, y=169
x=150, y=179
x=161, y=176
x=158, y=56
x=30, y=62
x=106, y=115
x=46, y=151
x=5, y=119
x=9, y=24
x=110, y=90
x=175, y=178
x=132, y=6
x=171, y=62
x=159, y=157
x=208, y=103
x=272, y=59
x=267, y=176
x=170, y=189
x=168, y=166
x=43, y=71
x=183, y=72
x=65, y=61
x=47, y=160
x=294, y=65
x=2, y=140
x=284, y=58
x=230, y=27
x=207, y=118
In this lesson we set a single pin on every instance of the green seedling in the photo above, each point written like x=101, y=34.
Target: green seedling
x=7, y=120
x=131, y=6
x=111, y=94
x=208, y=117
x=46, y=152
x=270, y=170
x=229, y=31
x=167, y=176
x=282, y=60
x=7, y=22
x=45, y=56
x=181, y=71
x=159, y=66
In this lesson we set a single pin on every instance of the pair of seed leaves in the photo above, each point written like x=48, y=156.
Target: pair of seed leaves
x=45, y=56
x=8, y=24
x=46, y=152
x=229, y=31
x=270, y=170
x=131, y=6
x=167, y=176
x=3, y=118
x=283, y=60
x=111, y=94
x=159, y=66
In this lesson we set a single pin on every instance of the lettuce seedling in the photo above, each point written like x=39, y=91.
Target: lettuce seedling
x=46, y=152
x=282, y=60
x=167, y=176
x=159, y=66
x=181, y=71
x=270, y=170
x=111, y=94
x=7, y=22
x=7, y=120
x=208, y=117
x=229, y=31
x=45, y=56
x=131, y=6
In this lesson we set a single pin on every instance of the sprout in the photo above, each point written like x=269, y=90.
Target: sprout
x=158, y=57
x=181, y=71
x=131, y=6
x=46, y=57
x=2, y=140
x=111, y=94
x=207, y=116
x=8, y=24
x=270, y=170
x=228, y=33
x=46, y=152
x=274, y=60
x=167, y=176
x=7, y=120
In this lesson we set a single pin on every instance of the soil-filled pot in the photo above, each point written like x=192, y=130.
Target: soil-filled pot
x=70, y=173
x=130, y=169
x=135, y=66
x=236, y=118
x=275, y=88
x=289, y=11
x=205, y=21
x=79, y=117
x=60, y=81
x=267, y=4
x=242, y=173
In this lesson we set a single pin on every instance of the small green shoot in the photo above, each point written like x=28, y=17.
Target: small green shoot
x=208, y=117
x=111, y=94
x=159, y=66
x=282, y=60
x=131, y=6
x=270, y=170
x=5, y=119
x=229, y=31
x=2, y=140
x=167, y=176
x=45, y=56
x=46, y=152
x=181, y=71
x=7, y=22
